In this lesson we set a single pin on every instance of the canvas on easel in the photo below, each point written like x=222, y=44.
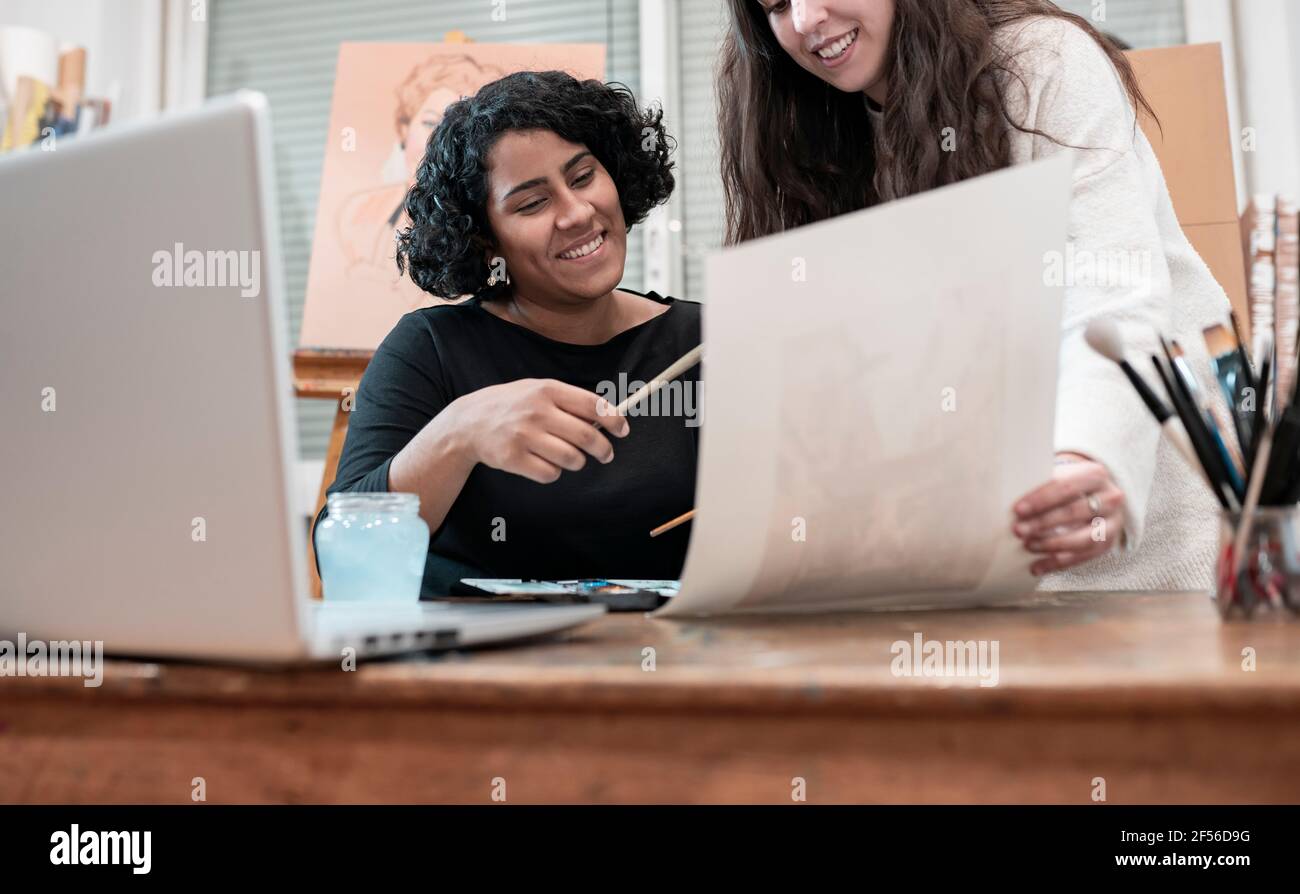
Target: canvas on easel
x=388, y=100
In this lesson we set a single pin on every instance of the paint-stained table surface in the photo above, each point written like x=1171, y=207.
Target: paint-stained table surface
x=1143, y=697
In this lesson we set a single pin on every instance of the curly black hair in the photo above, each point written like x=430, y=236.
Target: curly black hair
x=444, y=246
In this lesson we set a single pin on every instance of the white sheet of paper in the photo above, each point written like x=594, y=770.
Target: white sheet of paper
x=880, y=388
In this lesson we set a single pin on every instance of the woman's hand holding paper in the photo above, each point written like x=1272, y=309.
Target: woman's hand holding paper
x=1077, y=516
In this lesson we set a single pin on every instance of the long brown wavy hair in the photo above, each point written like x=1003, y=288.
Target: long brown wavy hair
x=796, y=150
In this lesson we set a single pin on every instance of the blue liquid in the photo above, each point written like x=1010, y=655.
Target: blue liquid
x=372, y=556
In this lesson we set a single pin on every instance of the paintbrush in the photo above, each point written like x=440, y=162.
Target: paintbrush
x=1248, y=510
x=1218, y=426
x=677, y=522
x=1280, y=481
x=1247, y=364
x=1104, y=337
x=1262, y=410
x=689, y=359
x=1231, y=372
x=1200, y=425
x=1210, y=462
x=1285, y=437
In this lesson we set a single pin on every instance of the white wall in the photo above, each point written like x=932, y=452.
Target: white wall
x=1267, y=36
x=1211, y=21
x=122, y=41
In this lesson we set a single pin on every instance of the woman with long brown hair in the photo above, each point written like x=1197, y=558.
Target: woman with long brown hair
x=831, y=106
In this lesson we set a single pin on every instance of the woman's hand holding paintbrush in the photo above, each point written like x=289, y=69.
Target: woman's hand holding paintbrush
x=535, y=428
x=689, y=359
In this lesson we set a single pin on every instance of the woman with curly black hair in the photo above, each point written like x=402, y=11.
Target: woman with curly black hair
x=489, y=409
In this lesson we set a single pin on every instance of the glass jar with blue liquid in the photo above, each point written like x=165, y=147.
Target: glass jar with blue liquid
x=372, y=547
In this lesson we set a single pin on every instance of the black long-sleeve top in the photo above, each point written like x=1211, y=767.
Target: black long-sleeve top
x=591, y=523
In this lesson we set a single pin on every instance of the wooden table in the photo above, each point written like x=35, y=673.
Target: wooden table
x=1146, y=691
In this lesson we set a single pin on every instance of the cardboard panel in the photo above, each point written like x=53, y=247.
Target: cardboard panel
x=1185, y=85
x=1220, y=247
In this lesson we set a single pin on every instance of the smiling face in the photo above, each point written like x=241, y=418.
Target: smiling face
x=843, y=42
x=556, y=216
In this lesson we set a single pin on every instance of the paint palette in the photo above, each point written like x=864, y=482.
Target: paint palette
x=617, y=594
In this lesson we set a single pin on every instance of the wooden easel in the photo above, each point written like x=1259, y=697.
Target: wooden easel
x=331, y=374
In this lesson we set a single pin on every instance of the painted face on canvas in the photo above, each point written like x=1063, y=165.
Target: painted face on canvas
x=556, y=216
x=843, y=42
x=423, y=123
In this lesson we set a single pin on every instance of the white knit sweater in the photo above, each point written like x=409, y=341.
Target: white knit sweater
x=1120, y=209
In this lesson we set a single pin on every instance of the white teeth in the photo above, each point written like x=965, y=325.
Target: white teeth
x=584, y=250
x=839, y=46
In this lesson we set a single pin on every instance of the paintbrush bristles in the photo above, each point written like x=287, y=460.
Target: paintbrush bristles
x=1103, y=336
x=1219, y=340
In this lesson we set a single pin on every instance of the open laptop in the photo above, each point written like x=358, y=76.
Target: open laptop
x=148, y=432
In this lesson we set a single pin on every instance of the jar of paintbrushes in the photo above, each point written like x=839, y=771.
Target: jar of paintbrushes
x=1258, y=570
x=1259, y=562
x=1245, y=448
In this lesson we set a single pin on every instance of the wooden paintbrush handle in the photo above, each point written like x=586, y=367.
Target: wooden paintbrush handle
x=677, y=522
